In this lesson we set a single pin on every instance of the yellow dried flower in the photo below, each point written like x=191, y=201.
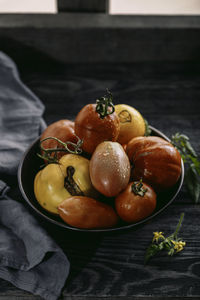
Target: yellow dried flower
x=157, y=236
x=172, y=243
x=178, y=246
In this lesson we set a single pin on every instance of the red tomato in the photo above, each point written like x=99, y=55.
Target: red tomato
x=85, y=212
x=133, y=207
x=93, y=127
x=63, y=130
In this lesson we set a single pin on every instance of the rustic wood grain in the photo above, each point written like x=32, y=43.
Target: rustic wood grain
x=93, y=38
x=166, y=94
x=111, y=266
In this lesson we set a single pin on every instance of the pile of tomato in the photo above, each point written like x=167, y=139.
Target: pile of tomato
x=101, y=169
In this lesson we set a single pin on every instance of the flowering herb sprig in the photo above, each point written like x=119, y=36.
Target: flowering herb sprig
x=172, y=244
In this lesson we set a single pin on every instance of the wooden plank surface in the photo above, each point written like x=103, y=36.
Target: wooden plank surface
x=111, y=266
x=93, y=6
x=98, y=38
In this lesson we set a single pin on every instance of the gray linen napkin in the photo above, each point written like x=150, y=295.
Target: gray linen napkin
x=29, y=258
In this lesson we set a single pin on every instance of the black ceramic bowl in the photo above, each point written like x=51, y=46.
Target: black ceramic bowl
x=30, y=165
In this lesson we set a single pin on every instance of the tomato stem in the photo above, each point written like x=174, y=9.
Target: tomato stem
x=69, y=183
x=47, y=153
x=137, y=188
x=104, y=104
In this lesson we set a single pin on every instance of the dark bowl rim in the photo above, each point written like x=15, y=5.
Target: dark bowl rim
x=114, y=229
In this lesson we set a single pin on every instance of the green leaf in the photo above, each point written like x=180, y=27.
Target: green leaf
x=147, y=129
x=161, y=246
x=150, y=252
x=196, y=163
x=190, y=148
x=191, y=161
x=192, y=182
x=171, y=252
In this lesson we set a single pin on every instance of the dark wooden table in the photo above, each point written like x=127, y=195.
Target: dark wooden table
x=111, y=266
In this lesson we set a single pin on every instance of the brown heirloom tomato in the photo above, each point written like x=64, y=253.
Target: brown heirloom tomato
x=136, y=202
x=109, y=168
x=96, y=123
x=154, y=160
x=84, y=212
x=63, y=130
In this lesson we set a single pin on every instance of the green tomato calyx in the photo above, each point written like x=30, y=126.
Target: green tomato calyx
x=138, y=189
x=104, y=105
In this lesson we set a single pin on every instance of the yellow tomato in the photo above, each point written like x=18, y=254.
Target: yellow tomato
x=57, y=182
x=132, y=123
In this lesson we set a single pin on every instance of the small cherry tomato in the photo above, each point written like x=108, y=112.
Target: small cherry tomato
x=63, y=130
x=85, y=212
x=109, y=168
x=136, y=202
x=96, y=123
x=131, y=123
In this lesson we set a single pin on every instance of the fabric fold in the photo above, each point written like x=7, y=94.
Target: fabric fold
x=29, y=257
